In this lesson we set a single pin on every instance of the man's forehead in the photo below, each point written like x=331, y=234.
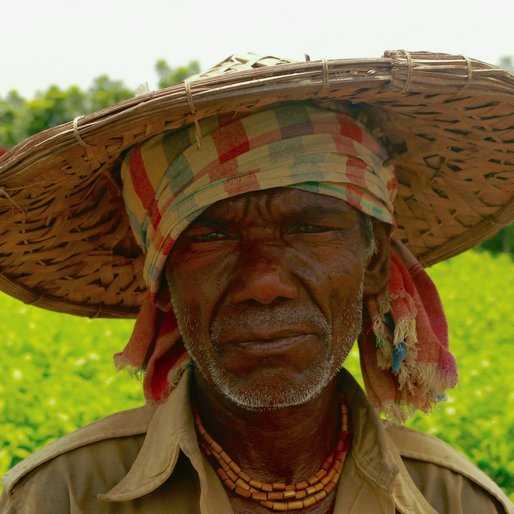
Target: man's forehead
x=281, y=202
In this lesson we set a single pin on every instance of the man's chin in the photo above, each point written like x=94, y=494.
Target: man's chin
x=271, y=389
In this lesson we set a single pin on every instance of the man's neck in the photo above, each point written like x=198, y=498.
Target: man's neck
x=280, y=445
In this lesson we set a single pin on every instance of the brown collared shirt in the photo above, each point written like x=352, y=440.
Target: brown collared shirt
x=147, y=460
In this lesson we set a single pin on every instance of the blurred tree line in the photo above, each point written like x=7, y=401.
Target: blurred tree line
x=21, y=117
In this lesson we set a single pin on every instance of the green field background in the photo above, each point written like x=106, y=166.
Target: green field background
x=57, y=374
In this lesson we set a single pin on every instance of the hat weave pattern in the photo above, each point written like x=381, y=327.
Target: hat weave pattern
x=65, y=239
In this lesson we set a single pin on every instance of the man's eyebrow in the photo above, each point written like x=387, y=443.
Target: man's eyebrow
x=206, y=219
x=307, y=212
x=318, y=212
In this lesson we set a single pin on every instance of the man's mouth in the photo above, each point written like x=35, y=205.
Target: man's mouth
x=268, y=343
x=276, y=345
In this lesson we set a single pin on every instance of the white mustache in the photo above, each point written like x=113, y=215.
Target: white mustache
x=269, y=320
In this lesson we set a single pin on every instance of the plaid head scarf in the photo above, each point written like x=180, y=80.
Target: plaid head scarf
x=172, y=178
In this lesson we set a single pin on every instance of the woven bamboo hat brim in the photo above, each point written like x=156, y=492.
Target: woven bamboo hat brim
x=65, y=241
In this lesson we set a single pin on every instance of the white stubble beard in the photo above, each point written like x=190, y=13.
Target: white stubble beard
x=260, y=397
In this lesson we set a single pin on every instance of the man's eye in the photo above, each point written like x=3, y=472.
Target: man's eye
x=211, y=236
x=306, y=228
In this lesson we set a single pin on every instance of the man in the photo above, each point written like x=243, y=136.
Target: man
x=266, y=227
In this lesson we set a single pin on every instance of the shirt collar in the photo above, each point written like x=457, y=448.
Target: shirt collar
x=370, y=448
x=172, y=431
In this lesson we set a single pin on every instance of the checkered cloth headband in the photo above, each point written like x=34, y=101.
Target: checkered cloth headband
x=171, y=178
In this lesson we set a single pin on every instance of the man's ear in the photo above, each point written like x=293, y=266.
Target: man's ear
x=377, y=271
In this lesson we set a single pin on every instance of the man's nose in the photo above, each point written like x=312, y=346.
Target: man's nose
x=263, y=277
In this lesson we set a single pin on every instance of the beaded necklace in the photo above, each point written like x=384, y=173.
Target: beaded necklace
x=279, y=496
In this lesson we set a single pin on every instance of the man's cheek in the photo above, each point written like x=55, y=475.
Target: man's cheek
x=185, y=314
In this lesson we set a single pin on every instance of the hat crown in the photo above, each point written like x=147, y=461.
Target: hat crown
x=241, y=62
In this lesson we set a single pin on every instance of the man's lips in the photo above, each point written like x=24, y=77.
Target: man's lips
x=267, y=343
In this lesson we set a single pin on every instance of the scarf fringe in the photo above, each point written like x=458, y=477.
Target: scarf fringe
x=397, y=413
x=411, y=366
x=122, y=364
x=430, y=383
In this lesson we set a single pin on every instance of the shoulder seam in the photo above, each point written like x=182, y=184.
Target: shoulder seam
x=459, y=464
x=82, y=437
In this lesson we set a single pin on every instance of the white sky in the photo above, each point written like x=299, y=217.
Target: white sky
x=68, y=42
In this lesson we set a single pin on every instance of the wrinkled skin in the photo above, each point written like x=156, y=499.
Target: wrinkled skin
x=268, y=290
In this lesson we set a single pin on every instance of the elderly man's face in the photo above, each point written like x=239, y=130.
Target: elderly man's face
x=267, y=289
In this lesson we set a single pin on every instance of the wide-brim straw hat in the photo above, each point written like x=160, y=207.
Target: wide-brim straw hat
x=65, y=240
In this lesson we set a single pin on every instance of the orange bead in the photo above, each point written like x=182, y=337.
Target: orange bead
x=288, y=494
x=296, y=505
x=243, y=492
x=244, y=476
x=328, y=462
x=326, y=479
x=222, y=474
x=216, y=447
x=242, y=484
x=313, y=480
x=222, y=463
x=309, y=501
x=276, y=496
x=302, y=485
x=231, y=485
x=256, y=484
x=232, y=475
x=319, y=496
x=234, y=467
x=311, y=490
x=279, y=506
x=259, y=495
x=278, y=486
x=225, y=457
x=330, y=487
x=315, y=488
